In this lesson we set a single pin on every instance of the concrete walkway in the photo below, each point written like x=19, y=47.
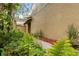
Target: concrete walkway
x=44, y=44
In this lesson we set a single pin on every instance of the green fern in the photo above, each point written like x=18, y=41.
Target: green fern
x=61, y=48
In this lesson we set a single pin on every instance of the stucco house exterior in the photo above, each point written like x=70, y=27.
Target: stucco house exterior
x=53, y=19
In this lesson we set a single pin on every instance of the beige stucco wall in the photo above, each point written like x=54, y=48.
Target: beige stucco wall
x=26, y=27
x=54, y=19
x=21, y=28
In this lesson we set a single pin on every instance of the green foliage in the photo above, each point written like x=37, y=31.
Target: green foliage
x=15, y=6
x=23, y=44
x=72, y=32
x=6, y=15
x=14, y=42
x=27, y=45
x=31, y=46
x=6, y=32
x=5, y=37
x=61, y=48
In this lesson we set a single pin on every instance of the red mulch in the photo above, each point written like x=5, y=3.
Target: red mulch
x=51, y=41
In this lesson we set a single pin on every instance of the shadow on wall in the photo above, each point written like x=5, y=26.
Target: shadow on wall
x=41, y=36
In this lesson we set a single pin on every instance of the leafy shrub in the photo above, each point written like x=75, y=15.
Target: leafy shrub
x=7, y=37
x=27, y=45
x=4, y=38
x=61, y=48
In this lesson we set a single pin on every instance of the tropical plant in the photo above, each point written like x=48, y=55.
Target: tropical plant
x=61, y=48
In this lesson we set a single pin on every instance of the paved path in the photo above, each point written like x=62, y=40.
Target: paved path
x=44, y=44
